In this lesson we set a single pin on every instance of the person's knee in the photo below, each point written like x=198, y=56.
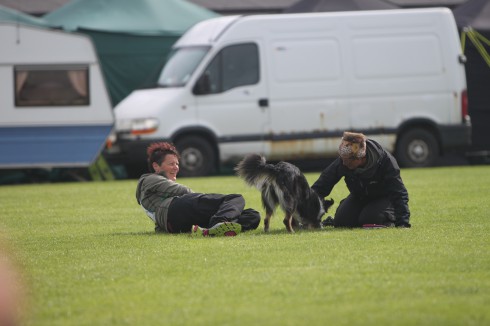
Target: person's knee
x=343, y=221
x=237, y=197
x=371, y=219
x=238, y=200
x=249, y=219
x=254, y=223
x=346, y=214
x=378, y=212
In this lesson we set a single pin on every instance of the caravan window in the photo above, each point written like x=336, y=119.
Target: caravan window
x=234, y=66
x=51, y=86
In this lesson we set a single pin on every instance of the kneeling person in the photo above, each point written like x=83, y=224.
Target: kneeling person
x=377, y=193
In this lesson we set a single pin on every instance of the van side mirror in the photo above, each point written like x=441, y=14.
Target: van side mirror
x=203, y=85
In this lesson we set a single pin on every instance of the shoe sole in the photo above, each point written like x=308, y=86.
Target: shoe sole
x=196, y=231
x=226, y=229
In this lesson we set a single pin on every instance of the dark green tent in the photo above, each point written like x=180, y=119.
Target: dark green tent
x=14, y=16
x=475, y=14
x=132, y=37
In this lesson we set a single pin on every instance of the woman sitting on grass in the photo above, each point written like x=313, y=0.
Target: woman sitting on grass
x=177, y=209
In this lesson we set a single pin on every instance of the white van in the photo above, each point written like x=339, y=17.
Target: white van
x=288, y=85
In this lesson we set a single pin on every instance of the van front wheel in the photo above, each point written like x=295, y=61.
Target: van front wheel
x=417, y=148
x=197, y=157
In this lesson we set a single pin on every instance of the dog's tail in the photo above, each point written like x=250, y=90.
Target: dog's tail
x=255, y=170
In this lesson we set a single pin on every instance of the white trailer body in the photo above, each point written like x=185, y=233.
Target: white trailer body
x=55, y=109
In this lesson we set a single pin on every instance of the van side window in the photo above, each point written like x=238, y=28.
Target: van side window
x=235, y=65
x=51, y=85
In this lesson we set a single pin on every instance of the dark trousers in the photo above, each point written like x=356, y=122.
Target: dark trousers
x=207, y=210
x=353, y=212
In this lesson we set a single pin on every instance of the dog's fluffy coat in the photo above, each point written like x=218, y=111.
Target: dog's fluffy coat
x=283, y=184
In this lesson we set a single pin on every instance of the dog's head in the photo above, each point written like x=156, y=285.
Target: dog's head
x=315, y=209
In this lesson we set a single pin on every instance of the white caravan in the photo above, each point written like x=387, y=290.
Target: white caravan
x=55, y=109
x=288, y=85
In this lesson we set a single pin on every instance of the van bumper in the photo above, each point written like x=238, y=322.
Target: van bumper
x=455, y=137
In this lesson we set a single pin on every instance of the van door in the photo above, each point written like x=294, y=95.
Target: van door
x=308, y=95
x=231, y=98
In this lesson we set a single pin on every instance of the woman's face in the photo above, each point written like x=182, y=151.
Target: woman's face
x=169, y=166
x=353, y=163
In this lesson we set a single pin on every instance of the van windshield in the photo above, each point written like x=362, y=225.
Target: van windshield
x=181, y=64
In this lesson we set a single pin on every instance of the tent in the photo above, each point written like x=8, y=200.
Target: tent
x=132, y=38
x=338, y=5
x=475, y=14
x=14, y=16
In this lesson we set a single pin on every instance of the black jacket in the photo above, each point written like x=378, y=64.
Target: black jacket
x=380, y=179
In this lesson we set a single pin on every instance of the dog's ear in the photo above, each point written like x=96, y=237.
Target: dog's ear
x=327, y=203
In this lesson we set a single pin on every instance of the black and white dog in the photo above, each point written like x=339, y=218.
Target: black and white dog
x=283, y=184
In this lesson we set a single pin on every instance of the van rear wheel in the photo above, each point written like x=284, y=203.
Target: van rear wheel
x=417, y=148
x=197, y=156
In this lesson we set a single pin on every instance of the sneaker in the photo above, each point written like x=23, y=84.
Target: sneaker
x=225, y=229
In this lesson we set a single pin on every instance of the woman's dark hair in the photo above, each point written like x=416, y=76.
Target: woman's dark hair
x=156, y=152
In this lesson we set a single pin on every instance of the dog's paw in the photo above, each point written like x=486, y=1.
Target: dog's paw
x=328, y=222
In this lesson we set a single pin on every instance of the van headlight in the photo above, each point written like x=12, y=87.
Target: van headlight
x=137, y=126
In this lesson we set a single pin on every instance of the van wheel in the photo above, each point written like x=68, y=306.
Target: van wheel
x=417, y=148
x=197, y=157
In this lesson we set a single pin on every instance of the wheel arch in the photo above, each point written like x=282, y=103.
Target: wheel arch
x=420, y=123
x=203, y=132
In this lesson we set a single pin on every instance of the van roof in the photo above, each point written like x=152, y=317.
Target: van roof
x=208, y=31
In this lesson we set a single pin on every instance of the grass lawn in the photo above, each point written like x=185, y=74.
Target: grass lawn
x=91, y=257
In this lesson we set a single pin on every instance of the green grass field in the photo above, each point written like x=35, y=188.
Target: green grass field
x=91, y=257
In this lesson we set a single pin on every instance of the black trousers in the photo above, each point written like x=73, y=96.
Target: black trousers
x=207, y=210
x=354, y=212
